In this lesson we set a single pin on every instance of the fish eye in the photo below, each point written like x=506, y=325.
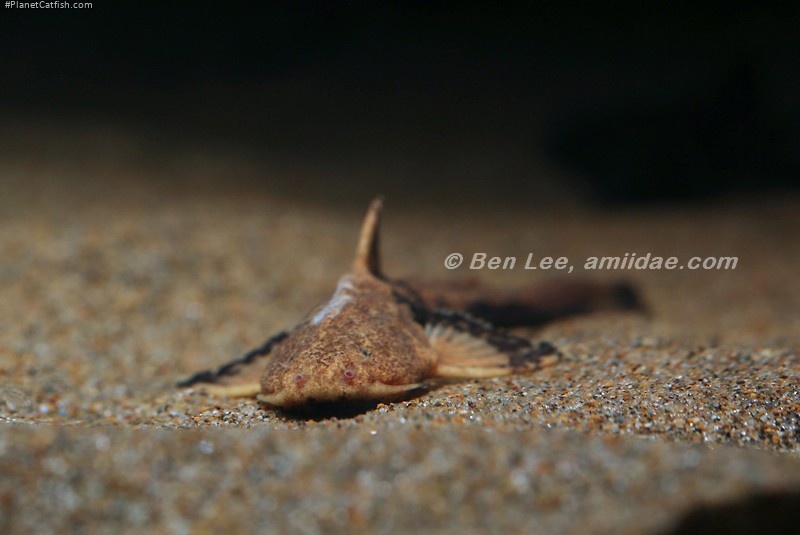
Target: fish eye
x=348, y=375
x=299, y=379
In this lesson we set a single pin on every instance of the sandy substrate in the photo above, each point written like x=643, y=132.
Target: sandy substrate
x=115, y=286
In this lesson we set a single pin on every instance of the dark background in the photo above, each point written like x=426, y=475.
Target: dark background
x=609, y=104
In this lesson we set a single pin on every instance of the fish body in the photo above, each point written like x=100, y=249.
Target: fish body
x=379, y=339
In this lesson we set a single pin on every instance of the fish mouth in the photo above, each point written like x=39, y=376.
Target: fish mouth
x=340, y=401
x=274, y=400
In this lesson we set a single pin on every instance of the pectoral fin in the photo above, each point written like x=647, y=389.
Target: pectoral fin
x=238, y=378
x=469, y=348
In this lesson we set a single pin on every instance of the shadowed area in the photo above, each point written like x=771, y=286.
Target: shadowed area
x=768, y=512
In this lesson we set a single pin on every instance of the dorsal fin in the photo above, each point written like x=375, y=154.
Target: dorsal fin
x=368, y=257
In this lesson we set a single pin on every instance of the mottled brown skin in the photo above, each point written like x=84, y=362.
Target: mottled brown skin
x=371, y=348
x=379, y=339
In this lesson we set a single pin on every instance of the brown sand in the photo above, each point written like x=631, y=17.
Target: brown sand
x=116, y=285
